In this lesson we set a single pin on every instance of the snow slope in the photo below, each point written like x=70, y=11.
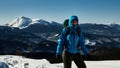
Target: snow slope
x=21, y=62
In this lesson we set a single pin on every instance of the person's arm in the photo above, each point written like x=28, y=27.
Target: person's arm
x=61, y=42
x=82, y=42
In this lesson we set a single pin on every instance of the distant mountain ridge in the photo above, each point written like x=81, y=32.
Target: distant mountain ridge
x=40, y=26
x=38, y=35
x=23, y=22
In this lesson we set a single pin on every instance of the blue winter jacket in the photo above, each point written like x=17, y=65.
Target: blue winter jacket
x=71, y=41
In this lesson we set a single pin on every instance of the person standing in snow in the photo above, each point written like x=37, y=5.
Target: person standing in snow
x=70, y=44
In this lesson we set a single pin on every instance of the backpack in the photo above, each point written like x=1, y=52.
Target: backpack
x=65, y=23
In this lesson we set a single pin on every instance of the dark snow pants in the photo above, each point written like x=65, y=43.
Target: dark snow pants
x=69, y=57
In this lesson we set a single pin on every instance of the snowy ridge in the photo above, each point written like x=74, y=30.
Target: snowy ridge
x=40, y=21
x=23, y=22
x=21, y=62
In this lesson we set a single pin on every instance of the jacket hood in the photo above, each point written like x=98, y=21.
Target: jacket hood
x=71, y=19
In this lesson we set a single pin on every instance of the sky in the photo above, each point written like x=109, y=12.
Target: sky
x=88, y=11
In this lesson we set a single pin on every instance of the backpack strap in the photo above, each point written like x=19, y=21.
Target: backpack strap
x=67, y=31
x=78, y=30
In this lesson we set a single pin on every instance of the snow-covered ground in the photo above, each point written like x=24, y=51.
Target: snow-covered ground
x=21, y=62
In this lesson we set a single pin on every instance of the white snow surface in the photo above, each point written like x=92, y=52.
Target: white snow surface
x=22, y=62
x=88, y=42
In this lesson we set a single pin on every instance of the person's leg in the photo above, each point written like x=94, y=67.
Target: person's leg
x=79, y=61
x=66, y=59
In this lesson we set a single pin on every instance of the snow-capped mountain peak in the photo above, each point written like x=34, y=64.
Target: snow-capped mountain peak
x=23, y=22
x=20, y=22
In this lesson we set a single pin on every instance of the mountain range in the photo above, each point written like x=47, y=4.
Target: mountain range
x=33, y=25
x=26, y=35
